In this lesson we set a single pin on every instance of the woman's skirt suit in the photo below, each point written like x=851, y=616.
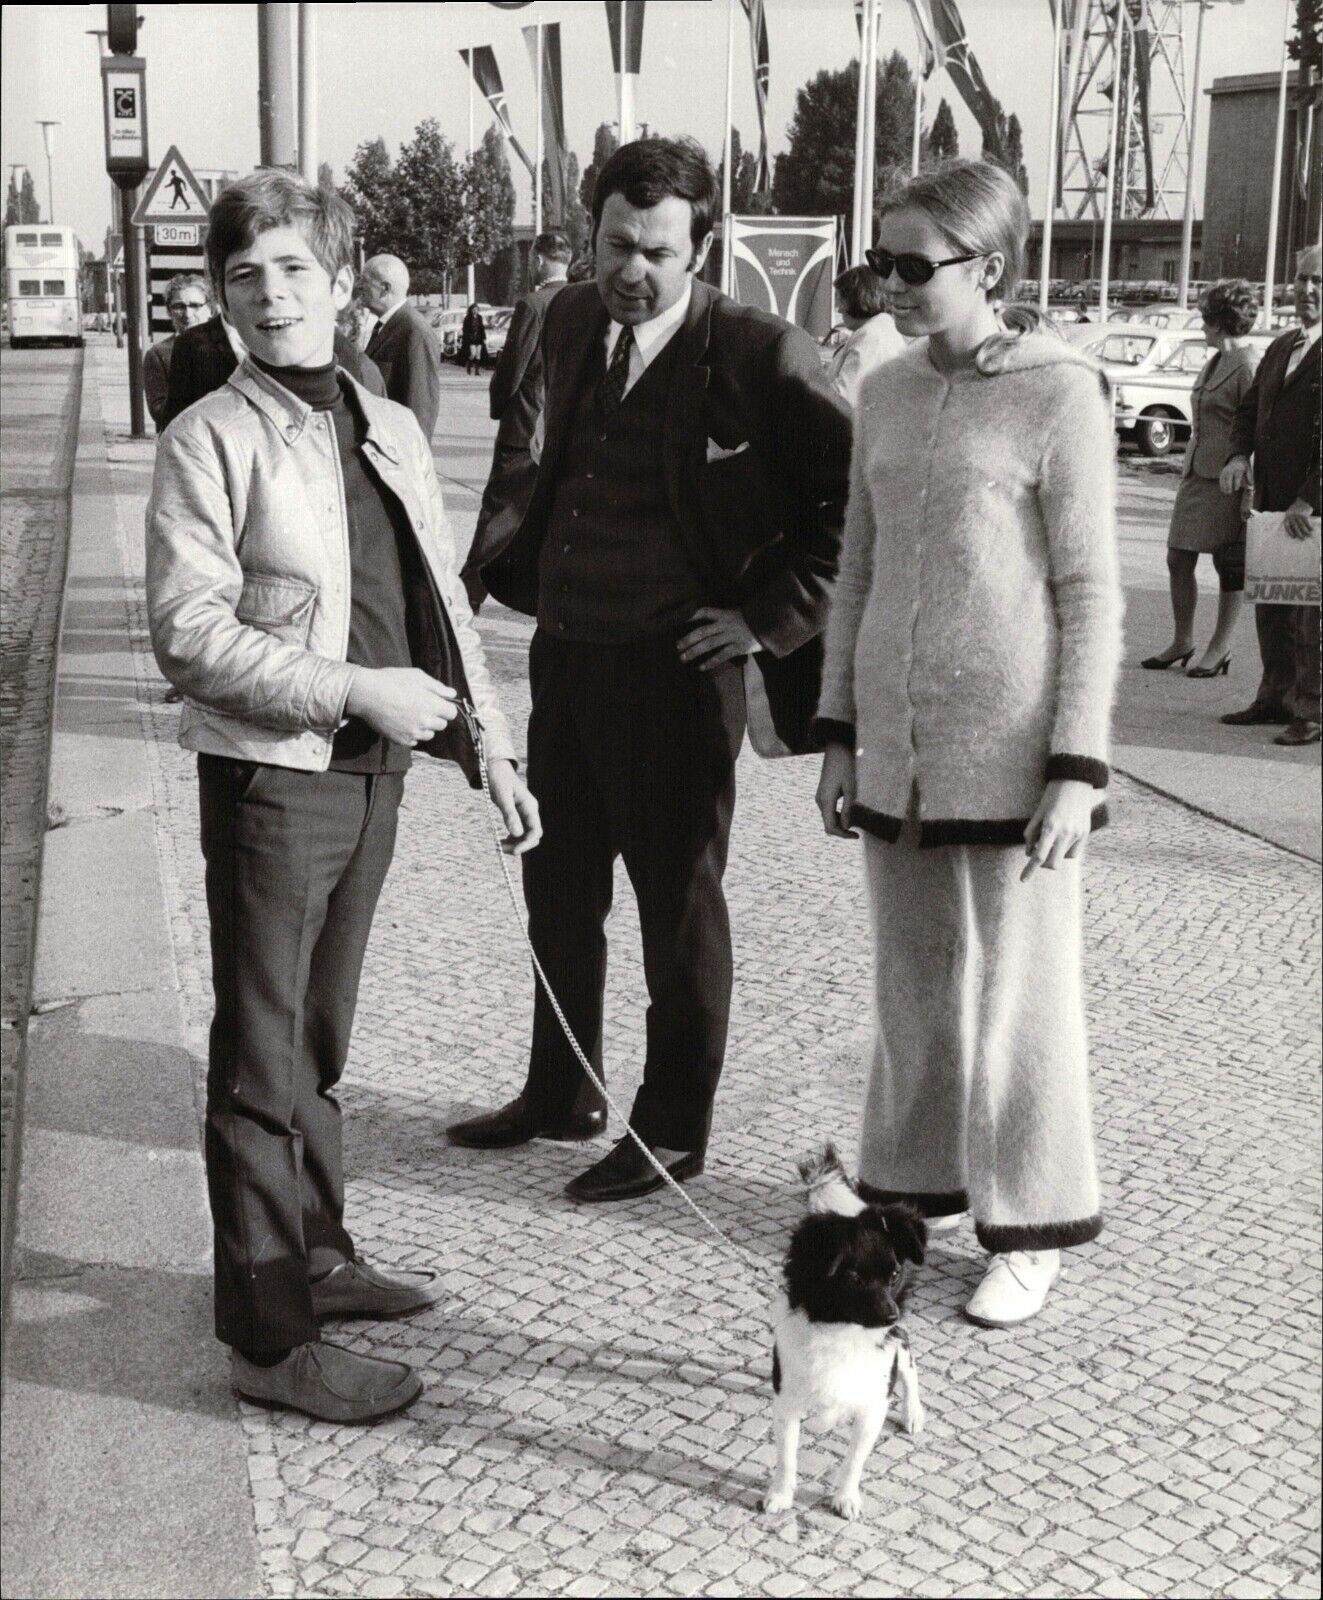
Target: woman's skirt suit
x=971, y=656
x=1204, y=519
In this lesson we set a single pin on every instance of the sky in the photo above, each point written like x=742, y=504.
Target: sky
x=384, y=67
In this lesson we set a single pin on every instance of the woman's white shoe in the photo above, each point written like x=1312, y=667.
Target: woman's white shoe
x=1014, y=1287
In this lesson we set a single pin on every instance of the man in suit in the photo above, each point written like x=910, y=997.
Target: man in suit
x=516, y=403
x=188, y=304
x=204, y=357
x=687, y=513
x=1277, y=431
x=402, y=344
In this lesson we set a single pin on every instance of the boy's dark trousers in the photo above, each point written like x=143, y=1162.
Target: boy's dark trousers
x=295, y=864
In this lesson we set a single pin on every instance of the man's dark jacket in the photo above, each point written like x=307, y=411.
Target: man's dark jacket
x=757, y=452
x=408, y=352
x=518, y=370
x=202, y=361
x=1277, y=423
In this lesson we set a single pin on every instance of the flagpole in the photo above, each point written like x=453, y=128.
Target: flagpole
x=472, y=287
x=1104, y=278
x=856, y=225
x=1187, y=222
x=1054, y=130
x=918, y=127
x=870, y=123
x=727, y=178
x=1275, y=203
x=626, y=111
x=538, y=156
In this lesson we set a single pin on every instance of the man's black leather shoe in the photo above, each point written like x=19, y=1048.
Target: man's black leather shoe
x=514, y=1124
x=624, y=1173
x=1257, y=716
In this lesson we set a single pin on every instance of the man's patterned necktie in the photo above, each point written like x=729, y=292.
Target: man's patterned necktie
x=617, y=373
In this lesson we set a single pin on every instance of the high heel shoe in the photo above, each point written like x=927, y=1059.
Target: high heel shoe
x=1161, y=663
x=1219, y=671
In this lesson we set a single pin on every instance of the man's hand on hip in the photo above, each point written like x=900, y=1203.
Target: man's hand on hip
x=403, y=704
x=716, y=636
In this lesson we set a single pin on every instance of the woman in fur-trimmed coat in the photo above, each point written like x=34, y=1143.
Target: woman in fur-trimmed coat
x=971, y=655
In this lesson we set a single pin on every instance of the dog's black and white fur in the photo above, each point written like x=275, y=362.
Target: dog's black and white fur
x=839, y=1352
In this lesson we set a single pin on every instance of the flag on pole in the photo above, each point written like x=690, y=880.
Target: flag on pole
x=929, y=56
x=633, y=52
x=1141, y=42
x=760, y=53
x=555, y=151
x=964, y=71
x=487, y=76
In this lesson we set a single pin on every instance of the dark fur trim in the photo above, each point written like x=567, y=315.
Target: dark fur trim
x=1000, y=1237
x=877, y=823
x=1083, y=769
x=1005, y=833
x=776, y=1370
x=826, y=730
x=929, y=1205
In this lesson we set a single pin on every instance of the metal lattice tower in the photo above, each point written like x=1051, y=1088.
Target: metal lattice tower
x=1145, y=64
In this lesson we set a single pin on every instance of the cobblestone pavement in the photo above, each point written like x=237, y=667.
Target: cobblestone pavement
x=39, y=399
x=596, y=1413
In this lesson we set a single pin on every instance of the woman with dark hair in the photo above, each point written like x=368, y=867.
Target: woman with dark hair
x=473, y=336
x=1204, y=521
x=873, y=337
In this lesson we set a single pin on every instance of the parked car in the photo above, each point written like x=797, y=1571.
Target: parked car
x=1151, y=394
x=449, y=324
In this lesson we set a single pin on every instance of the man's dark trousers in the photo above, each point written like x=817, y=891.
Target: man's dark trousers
x=632, y=753
x=295, y=862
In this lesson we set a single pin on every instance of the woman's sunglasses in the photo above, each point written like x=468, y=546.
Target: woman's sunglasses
x=911, y=269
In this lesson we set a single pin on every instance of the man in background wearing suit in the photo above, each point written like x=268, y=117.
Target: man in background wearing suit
x=402, y=344
x=188, y=303
x=516, y=403
x=203, y=359
x=686, y=514
x=1277, y=428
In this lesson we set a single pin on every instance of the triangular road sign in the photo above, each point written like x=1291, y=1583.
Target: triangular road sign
x=172, y=195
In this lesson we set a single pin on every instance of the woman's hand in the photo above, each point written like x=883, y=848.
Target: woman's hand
x=1058, y=829
x=518, y=808
x=836, y=790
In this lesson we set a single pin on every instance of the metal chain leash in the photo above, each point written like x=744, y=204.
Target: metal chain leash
x=758, y=1268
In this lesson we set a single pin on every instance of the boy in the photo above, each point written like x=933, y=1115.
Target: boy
x=302, y=597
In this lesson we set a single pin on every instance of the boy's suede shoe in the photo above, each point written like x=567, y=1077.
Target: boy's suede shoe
x=1014, y=1287
x=357, y=1290
x=328, y=1382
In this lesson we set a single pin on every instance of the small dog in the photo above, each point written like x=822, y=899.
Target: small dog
x=838, y=1350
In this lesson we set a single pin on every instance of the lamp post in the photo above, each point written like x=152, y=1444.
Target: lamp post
x=48, y=138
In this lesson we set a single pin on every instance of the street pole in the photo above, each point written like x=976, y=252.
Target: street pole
x=275, y=86
x=1053, y=139
x=1104, y=278
x=472, y=284
x=917, y=141
x=48, y=139
x=1187, y=221
x=727, y=178
x=133, y=294
x=538, y=157
x=871, y=20
x=857, y=240
x=1275, y=202
x=308, y=92
x=626, y=90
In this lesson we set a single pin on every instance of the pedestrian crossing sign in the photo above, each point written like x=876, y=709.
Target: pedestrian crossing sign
x=173, y=194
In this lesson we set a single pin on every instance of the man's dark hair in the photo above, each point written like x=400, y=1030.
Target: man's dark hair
x=860, y=290
x=553, y=246
x=648, y=171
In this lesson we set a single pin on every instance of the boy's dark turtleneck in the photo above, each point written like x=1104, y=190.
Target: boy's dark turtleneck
x=315, y=386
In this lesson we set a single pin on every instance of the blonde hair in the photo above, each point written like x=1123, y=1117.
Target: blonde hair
x=978, y=207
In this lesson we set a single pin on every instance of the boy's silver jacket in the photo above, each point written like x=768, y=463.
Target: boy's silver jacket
x=248, y=571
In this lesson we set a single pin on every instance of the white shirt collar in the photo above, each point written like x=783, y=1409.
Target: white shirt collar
x=384, y=317
x=1308, y=335
x=651, y=338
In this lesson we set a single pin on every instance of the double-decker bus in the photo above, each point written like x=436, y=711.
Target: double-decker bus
x=43, y=296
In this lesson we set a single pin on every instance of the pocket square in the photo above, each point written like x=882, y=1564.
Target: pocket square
x=715, y=452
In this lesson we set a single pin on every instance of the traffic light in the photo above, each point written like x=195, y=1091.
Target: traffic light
x=122, y=29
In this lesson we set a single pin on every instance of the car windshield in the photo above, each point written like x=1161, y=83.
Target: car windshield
x=1188, y=357
x=1123, y=349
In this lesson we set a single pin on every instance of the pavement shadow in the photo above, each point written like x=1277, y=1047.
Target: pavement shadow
x=140, y=1334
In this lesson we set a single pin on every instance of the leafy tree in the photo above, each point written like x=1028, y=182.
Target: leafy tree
x=744, y=174
x=488, y=200
x=815, y=175
x=605, y=144
x=369, y=187
x=325, y=177
x=1010, y=141
x=1306, y=44
x=577, y=221
x=943, y=140
x=429, y=191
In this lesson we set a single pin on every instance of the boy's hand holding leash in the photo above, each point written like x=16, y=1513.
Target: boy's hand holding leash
x=1058, y=829
x=408, y=706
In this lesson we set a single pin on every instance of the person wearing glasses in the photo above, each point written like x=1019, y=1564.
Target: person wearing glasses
x=188, y=302
x=971, y=656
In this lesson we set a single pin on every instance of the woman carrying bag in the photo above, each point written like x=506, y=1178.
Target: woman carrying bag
x=971, y=657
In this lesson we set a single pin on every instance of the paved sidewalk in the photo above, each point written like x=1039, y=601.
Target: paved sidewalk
x=596, y=1415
